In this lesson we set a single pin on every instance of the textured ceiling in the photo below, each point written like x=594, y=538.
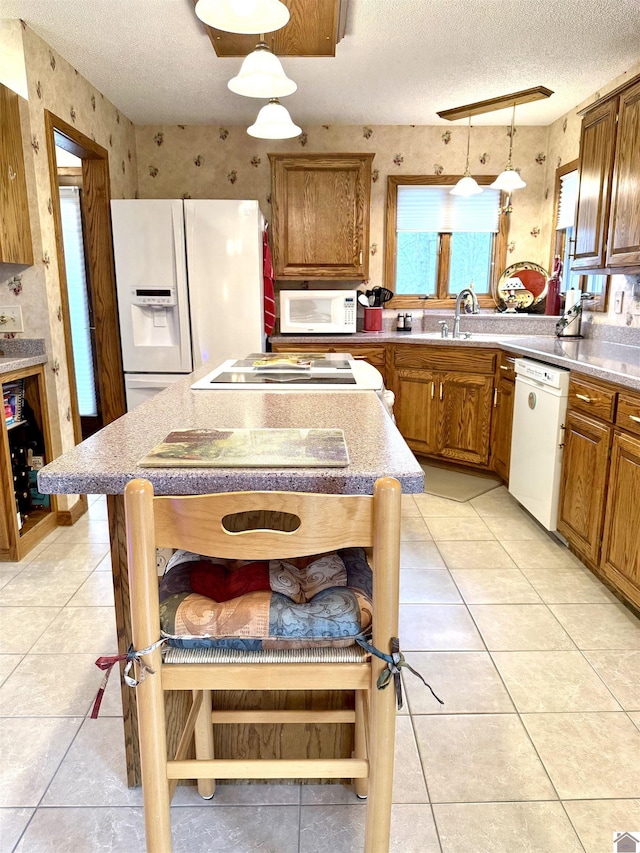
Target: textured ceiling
x=400, y=62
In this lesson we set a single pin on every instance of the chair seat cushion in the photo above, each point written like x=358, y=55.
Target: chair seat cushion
x=323, y=600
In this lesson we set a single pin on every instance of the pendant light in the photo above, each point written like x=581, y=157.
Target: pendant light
x=467, y=185
x=243, y=16
x=262, y=76
x=274, y=122
x=509, y=179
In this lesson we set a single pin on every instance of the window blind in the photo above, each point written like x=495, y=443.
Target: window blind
x=567, y=200
x=78, y=301
x=434, y=209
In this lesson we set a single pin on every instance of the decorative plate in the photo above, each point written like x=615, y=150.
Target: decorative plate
x=533, y=276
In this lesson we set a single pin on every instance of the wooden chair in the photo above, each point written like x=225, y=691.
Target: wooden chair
x=328, y=522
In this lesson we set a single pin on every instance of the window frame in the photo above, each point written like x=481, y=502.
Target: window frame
x=558, y=246
x=498, y=254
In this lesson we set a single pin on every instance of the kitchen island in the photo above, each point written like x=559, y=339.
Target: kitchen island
x=104, y=463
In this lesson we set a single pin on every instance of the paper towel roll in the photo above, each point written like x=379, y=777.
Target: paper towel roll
x=571, y=297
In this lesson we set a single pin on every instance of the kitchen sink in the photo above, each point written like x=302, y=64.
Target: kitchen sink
x=468, y=336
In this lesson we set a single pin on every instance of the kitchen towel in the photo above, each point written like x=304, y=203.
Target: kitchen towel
x=269, y=290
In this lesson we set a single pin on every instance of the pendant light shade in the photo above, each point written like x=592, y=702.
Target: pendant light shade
x=243, y=16
x=274, y=122
x=262, y=76
x=467, y=185
x=509, y=179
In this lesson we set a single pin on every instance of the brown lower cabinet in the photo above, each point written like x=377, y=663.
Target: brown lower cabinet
x=445, y=414
x=621, y=541
x=444, y=395
x=586, y=466
x=600, y=494
x=501, y=427
x=444, y=401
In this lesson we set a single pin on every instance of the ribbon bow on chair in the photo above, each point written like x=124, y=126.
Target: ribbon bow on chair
x=133, y=659
x=395, y=662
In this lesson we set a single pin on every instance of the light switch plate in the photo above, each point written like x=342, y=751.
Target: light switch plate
x=11, y=319
x=619, y=298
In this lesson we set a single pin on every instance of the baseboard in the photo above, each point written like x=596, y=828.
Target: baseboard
x=68, y=517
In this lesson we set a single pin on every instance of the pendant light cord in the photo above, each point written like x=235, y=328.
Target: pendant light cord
x=468, y=143
x=513, y=121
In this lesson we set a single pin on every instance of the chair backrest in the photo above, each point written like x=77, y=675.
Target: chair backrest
x=327, y=522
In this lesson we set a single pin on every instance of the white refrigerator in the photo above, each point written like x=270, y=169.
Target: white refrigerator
x=190, y=287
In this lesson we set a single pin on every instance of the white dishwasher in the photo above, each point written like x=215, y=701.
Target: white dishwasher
x=538, y=438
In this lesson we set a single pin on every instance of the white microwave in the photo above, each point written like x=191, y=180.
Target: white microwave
x=318, y=311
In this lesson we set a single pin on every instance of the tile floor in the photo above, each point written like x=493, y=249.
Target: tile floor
x=537, y=747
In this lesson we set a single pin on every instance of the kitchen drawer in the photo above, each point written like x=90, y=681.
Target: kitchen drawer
x=449, y=358
x=592, y=399
x=628, y=413
x=507, y=366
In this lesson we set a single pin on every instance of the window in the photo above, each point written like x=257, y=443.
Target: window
x=78, y=300
x=566, y=201
x=438, y=243
x=565, y=218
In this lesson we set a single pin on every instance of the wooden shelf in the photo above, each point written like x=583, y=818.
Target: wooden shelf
x=16, y=543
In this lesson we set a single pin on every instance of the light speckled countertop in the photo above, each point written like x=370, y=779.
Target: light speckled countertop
x=614, y=362
x=104, y=463
x=619, y=363
x=16, y=353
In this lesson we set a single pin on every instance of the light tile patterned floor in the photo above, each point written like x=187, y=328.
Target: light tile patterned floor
x=537, y=747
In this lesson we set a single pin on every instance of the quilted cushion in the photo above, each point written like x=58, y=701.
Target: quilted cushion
x=324, y=600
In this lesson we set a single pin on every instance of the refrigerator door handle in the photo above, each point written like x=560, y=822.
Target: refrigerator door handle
x=182, y=295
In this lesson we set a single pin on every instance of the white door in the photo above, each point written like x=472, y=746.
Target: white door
x=151, y=281
x=143, y=386
x=224, y=260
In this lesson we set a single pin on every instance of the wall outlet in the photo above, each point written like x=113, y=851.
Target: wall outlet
x=619, y=298
x=11, y=319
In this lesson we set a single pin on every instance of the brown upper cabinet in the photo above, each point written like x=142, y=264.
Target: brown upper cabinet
x=608, y=214
x=320, y=216
x=624, y=223
x=15, y=228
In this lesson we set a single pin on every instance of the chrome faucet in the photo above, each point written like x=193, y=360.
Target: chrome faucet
x=466, y=291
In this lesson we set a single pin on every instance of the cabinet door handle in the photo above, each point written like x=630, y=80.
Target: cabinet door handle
x=504, y=367
x=441, y=390
x=635, y=418
x=12, y=175
x=361, y=256
x=433, y=390
x=583, y=397
x=495, y=397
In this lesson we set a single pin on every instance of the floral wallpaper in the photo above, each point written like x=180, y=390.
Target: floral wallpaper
x=563, y=147
x=225, y=162
x=56, y=86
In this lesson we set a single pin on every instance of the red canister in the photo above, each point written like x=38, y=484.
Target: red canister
x=373, y=319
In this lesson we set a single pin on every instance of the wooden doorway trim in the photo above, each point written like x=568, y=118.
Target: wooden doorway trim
x=96, y=186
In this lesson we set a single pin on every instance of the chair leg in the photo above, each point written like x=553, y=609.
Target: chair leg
x=153, y=764
x=360, y=749
x=203, y=735
x=381, y=758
